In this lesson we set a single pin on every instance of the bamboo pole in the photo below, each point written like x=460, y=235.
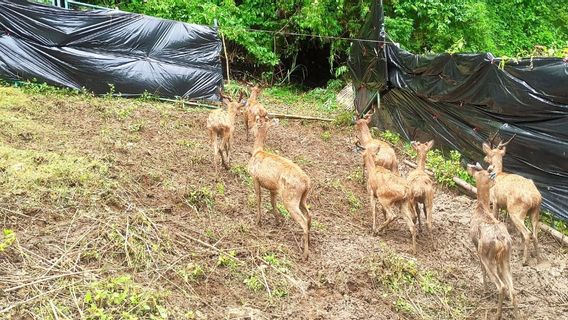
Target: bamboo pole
x=293, y=116
x=414, y=165
x=226, y=58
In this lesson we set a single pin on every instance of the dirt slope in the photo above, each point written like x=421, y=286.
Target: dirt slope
x=99, y=188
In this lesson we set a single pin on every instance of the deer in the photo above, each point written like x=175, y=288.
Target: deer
x=516, y=193
x=221, y=127
x=421, y=186
x=280, y=176
x=390, y=190
x=254, y=108
x=386, y=157
x=491, y=240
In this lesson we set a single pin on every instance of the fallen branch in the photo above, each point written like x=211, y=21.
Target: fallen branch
x=293, y=116
x=48, y=278
x=464, y=184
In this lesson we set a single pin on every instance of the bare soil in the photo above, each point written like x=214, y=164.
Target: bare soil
x=164, y=193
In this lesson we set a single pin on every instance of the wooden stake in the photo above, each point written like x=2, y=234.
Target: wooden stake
x=226, y=58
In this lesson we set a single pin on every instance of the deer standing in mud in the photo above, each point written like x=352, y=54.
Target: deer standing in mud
x=421, y=186
x=280, y=176
x=516, y=193
x=491, y=240
x=221, y=127
x=390, y=190
x=253, y=109
x=386, y=156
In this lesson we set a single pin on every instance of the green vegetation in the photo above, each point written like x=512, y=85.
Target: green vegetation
x=121, y=298
x=414, y=290
x=9, y=237
x=504, y=27
x=61, y=178
x=200, y=198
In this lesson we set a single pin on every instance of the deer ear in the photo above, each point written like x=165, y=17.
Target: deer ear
x=430, y=144
x=226, y=101
x=486, y=148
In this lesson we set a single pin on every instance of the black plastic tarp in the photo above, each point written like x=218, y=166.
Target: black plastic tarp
x=461, y=100
x=93, y=49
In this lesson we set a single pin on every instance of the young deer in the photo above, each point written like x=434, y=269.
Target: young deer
x=280, y=176
x=391, y=190
x=421, y=186
x=491, y=240
x=254, y=109
x=221, y=126
x=386, y=157
x=518, y=194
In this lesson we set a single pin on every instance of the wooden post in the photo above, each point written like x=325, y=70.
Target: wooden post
x=226, y=59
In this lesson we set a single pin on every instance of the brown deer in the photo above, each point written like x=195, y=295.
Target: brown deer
x=254, y=108
x=280, y=176
x=390, y=190
x=421, y=186
x=221, y=127
x=516, y=193
x=386, y=157
x=491, y=240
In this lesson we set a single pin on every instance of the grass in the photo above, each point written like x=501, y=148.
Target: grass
x=414, y=290
x=61, y=178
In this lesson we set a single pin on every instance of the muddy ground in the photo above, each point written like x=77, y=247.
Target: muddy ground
x=159, y=215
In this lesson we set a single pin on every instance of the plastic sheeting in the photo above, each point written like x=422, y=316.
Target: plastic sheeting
x=93, y=49
x=461, y=100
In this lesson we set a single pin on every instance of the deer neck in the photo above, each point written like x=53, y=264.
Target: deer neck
x=422, y=161
x=232, y=112
x=365, y=134
x=259, y=141
x=369, y=160
x=483, y=197
x=497, y=165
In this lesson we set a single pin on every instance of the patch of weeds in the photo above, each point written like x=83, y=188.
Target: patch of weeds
x=389, y=136
x=220, y=187
x=192, y=272
x=147, y=96
x=228, y=260
x=253, y=283
x=282, y=210
x=121, y=298
x=316, y=225
x=200, y=198
x=402, y=305
x=280, y=292
x=445, y=168
x=354, y=202
x=547, y=218
x=357, y=176
x=326, y=136
x=344, y=119
x=251, y=200
x=9, y=237
x=186, y=143
x=61, y=178
x=401, y=278
x=241, y=171
x=282, y=264
x=303, y=161
x=136, y=126
x=210, y=234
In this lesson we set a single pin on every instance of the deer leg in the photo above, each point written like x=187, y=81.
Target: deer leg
x=306, y=211
x=214, y=142
x=373, y=210
x=224, y=151
x=292, y=204
x=391, y=217
x=417, y=210
x=518, y=222
x=274, y=208
x=535, y=217
x=428, y=205
x=258, y=199
x=409, y=216
x=508, y=279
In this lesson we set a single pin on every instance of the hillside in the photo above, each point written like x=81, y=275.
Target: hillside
x=115, y=213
